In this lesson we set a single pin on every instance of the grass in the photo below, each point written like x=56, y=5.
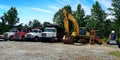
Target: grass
x=100, y=59
x=115, y=53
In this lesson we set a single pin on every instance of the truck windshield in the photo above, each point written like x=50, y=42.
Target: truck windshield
x=13, y=30
x=49, y=30
x=35, y=31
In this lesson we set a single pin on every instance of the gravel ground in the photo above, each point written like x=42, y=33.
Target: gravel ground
x=12, y=50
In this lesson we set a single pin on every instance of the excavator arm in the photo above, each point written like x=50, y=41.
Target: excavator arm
x=68, y=17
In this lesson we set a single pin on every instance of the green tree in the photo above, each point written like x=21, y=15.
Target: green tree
x=45, y=24
x=99, y=16
x=108, y=27
x=115, y=10
x=30, y=24
x=11, y=17
x=59, y=17
x=34, y=23
x=91, y=22
x=80, y=16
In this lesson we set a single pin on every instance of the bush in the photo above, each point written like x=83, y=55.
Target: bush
x=104, y=39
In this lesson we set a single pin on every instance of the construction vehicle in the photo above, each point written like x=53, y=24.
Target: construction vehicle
x=52, y=33
x=75, y=36
x=95, y=37
x=113, y=39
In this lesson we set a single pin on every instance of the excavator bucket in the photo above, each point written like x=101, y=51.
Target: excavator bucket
x=67, y=39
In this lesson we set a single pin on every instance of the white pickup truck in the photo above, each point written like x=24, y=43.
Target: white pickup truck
x=34, y=35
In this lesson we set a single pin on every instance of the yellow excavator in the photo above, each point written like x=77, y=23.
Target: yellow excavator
x=67, y=38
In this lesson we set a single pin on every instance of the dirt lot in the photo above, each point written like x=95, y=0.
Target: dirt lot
x=12, y=50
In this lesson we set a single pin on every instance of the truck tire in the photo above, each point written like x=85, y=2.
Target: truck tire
x=118, y=44
x=10, y=38
x=5, y=39
x=52, y=40
x=23, y=38
x=36, y=39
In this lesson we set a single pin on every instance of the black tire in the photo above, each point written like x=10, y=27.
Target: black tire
x=36, y=39
x=52, y=40
x=119, y=45
x=23, y=39
x=5, y=39
x=10, y=39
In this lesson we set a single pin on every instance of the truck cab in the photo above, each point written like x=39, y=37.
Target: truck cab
x=8, y=35
x=34, y=35
x=52, y=33
x=19, y=35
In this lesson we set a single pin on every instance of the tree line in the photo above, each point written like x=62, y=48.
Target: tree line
x=10, y=19
x=97, y=19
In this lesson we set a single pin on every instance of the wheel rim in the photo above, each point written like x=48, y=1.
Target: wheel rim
x=36, y=39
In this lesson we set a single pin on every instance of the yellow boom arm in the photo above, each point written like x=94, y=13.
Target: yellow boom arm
x=67, y=18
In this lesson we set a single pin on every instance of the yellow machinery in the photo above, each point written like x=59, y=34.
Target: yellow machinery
x=75, y=36
x=67, y=38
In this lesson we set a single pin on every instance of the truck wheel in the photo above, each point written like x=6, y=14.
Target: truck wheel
x=10, y=39
x=118, y=44
x=23, y=38
x=5, y=39
x=36, y=39
x=52, y=39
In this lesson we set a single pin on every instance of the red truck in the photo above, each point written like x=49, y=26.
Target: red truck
x=19, y=35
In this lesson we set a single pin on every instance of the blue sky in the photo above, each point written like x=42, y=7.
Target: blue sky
x=44, y=10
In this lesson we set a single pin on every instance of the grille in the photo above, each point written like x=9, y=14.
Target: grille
x=5, y=35
x=17, y=36
x=28, y=35
x=43, y=34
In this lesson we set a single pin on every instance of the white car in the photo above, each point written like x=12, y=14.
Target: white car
x=34, y=35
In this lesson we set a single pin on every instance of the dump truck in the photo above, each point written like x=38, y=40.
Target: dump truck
x=52, y=32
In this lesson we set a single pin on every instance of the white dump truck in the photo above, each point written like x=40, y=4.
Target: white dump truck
x=52, y=33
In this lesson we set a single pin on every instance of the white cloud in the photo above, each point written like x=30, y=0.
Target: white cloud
x=106, y=3
x=41, y=10
x=110, y=17
x=3, y=7
x=54, y=7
